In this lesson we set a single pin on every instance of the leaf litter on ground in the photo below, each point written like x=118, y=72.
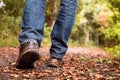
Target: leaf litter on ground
x=75, y=67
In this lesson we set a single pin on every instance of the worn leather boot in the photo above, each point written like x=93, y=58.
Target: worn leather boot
x=28, y=54
x=54, y=62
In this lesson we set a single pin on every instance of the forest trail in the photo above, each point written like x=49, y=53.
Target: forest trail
x=79, y=64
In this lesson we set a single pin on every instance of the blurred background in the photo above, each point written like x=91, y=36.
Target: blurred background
x=97, y=23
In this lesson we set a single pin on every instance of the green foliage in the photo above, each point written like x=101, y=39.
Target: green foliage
x=9, y=29
x=10, y=21
x=46, y=39
x=13, y=7
x=86, y=29
x=114, y=5
x=114, y=51
x=112, y=32
x=103, y=60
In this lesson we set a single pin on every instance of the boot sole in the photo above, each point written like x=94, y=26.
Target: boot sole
x=27, y=60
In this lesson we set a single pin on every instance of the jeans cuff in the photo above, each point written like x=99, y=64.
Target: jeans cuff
x=30, y=40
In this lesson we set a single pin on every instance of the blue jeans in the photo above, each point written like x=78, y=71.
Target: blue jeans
x=33, y=24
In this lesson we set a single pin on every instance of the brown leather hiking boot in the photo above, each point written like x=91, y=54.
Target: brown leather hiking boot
x=28, y=54
x=54, y=62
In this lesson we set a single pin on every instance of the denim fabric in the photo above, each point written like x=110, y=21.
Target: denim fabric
x=33, y=24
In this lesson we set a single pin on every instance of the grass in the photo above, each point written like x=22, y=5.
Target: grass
x=12, y=42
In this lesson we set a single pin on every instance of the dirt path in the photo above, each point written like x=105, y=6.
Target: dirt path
x=79, y=64
x=81, y=51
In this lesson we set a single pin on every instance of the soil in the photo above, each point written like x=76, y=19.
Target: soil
x=79, y=64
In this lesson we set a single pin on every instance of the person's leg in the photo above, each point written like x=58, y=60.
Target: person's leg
x=62, y=28
x=32, y=33
x=33, y=20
